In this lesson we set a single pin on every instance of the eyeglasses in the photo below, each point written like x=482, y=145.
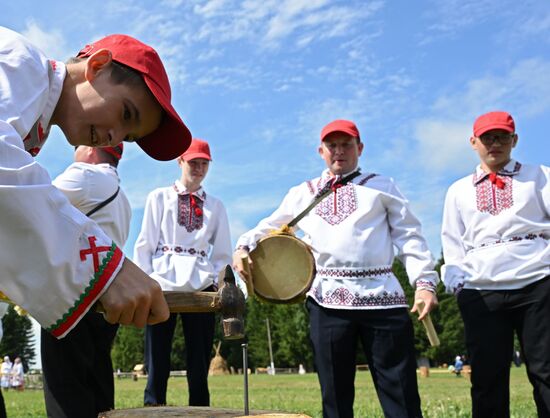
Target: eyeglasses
x=503, y=139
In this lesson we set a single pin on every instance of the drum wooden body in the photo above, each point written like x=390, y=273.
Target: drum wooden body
x=283, y=268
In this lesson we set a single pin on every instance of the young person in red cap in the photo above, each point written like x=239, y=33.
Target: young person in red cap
x=57, y=263
x=77, y=369
x=355, y=295
x=495, y=232
x=184, y=243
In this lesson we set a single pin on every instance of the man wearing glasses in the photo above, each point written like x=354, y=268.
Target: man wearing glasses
x=495, y=236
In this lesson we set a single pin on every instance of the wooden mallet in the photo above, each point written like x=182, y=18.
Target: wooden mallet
x=429, y=326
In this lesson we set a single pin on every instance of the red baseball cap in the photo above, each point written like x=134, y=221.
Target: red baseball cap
x=340, y=125
x=494, y=120
x=115, y=151
x=197, y=149
x=172, y=137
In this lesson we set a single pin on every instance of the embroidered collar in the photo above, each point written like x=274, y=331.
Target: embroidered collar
x=511, y=169
x=326, y=176
x=182, y=190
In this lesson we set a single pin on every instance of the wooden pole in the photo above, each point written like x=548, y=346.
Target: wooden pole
x=270, y=350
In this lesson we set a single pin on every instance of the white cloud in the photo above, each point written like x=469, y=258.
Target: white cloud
x=254, y=204
x=53, y=44
x=173, y=3
x=524, y=89
x=451, y=16
x=316, y=20
x=210, y=8
x=444, y=147
x=209, y=55
x=442, y=139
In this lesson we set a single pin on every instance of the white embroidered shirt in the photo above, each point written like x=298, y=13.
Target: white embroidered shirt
x=495, y=234
x=184, y=240
x=352, y=234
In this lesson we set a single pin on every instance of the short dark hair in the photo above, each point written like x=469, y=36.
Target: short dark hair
x=120, y=73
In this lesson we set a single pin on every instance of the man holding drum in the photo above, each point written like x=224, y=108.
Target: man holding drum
x=354, y=295
x=183, y=244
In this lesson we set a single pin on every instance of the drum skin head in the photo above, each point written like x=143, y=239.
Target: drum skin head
x=283, y=268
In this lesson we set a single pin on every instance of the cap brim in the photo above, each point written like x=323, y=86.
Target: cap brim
x=503, y=126
x=346, y=131
x=195, y=155
x=172, y=137
x=168, y=141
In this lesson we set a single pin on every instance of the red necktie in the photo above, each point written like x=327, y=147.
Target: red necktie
x=496, y=180
x=194, y=205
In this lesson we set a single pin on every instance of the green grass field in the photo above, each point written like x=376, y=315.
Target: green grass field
x=443, y=395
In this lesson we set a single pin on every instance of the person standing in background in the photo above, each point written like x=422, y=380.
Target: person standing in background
x=496, y=246
x=78, y=372
x=17, y=380
x=184, y=243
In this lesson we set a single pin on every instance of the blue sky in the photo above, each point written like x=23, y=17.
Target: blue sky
x=258, y=79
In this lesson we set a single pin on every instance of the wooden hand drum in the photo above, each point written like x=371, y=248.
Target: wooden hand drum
x=283, y=268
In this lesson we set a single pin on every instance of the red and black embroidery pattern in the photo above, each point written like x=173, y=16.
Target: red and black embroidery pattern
x=181, y=250
x=190, y=212
x=343, y=297
x=339, y=205
x=310, y=187
x=354, y=273
x=528, y=237
x=494, y=198
x=37, y=136
x=424, y=284
x=491, y=199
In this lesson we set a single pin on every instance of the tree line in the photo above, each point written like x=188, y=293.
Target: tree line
x=290, y=335
x=18, y=339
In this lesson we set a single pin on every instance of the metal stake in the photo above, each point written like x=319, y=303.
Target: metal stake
x=245, y=371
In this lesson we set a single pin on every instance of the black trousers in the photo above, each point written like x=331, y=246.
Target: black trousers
x=198, y=331
x=2, y=406
x=490, y=320
x=388, y=340
x=77, y=370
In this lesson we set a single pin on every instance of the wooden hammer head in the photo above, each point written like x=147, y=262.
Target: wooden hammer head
x=231, y=305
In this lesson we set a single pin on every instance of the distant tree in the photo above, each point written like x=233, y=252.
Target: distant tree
x=291, y=331
x=446, y=319
x=18, y=337
x=127, y=348
x=178, y=353
x=289, y=334
x=256, y=331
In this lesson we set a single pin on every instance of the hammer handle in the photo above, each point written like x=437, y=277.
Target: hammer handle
x=187, y=302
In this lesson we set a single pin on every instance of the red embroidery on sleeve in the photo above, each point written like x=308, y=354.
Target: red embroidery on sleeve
x=94, y=251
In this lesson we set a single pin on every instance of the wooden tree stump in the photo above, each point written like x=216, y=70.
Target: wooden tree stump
x=191, y=411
